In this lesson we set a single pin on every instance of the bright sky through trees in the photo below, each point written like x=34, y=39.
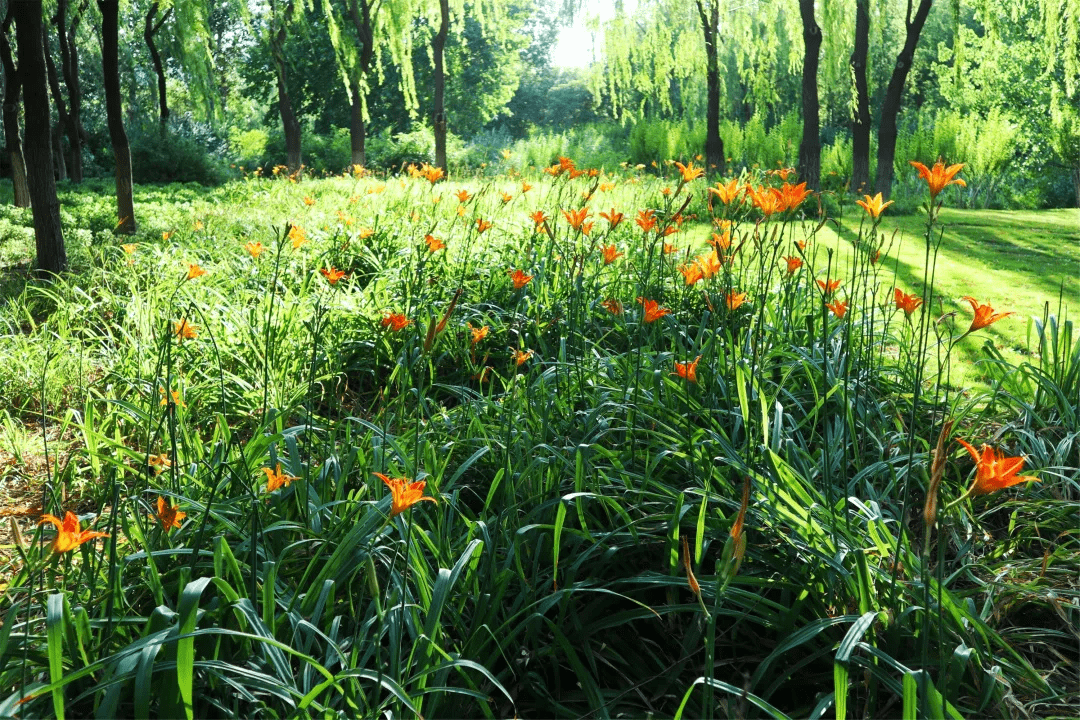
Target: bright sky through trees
x=574, y=46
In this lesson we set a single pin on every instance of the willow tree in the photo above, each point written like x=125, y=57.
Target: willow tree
x=181, y=29
x=914, y=20
x=354, y=26
x=285, y=15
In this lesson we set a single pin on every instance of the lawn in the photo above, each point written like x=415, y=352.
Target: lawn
x=713, y=511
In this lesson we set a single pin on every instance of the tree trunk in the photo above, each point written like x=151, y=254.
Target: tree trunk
x=69, y=69
x=110, y=62
x=810, y=146
x=289, y=122
x=1076, y=183
x=890, y=108
x=51, y=256
x=362, y=23
x=149, y=31
x=12, y=136
x=438, y=47
x=356, y=126
x=714, y=144
x=860, y=125
x=61, y=113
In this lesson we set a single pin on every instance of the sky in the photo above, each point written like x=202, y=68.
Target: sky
x=574, y=46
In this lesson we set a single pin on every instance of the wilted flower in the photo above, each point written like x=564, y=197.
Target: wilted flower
x=613, y=306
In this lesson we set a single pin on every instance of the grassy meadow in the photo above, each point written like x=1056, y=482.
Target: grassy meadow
x=672, y=471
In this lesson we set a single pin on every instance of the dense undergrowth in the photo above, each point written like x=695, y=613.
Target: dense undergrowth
x=573, y=436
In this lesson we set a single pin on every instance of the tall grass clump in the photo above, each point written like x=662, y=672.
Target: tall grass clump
x=547, y=443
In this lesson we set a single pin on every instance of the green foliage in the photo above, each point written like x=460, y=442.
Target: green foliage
x=178, y=155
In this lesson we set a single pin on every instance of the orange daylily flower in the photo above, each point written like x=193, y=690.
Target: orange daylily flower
x=431, y=174
x=482, y=226
x=520, y=356
x=169, y=515
x=994, y=471
x=332, y=274
x=506, y=197
x=768, y=200
x=199, y=225
x=462, y=195
x=184, y=330
x=364, y=233
x=434, y=244
x=309, y=201
x=939, y=177
x=298, y=236
x=793, y=264
x=613, y=218
x=828, y=286
x=792, y=196
x=710, y=264
x=276, y=478
x=520, y=279
x=576, y=217
x=653, y=311
x=646, y=219
x=687, y=370
x=873, y=205
x=565, y=163
x=613, y=306
x=479, y=333
x=984, y=315
x=726, y=193
x=838, y=308
x=688, y=171
x=734, y=300
x=611, y=253
x=129, y=248
x=176, y=398
x=691, y=273
x=586, y=228
x=166, y=235
x=907, y=303
x=721, y=241
x=254, y=249
x=525, y=187
x=606, y=186
x=194, y=271
x=403, y=494
x=68, y=534
x=539, y=218
x=395, y=321
x=160, y=462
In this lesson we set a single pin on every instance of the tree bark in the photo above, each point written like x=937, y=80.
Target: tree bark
x=714, y=144
x=890, y=108
x=48, y=233
x=1076, y=183
x=438, y=47
x=290, y=123
x=357, y=137
x=809, y=165
x=110, y=62
x=860, y=125
x=360, y=14
x=12, y=101
x=149, y=31
x=69, y=69
x=61, y=113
